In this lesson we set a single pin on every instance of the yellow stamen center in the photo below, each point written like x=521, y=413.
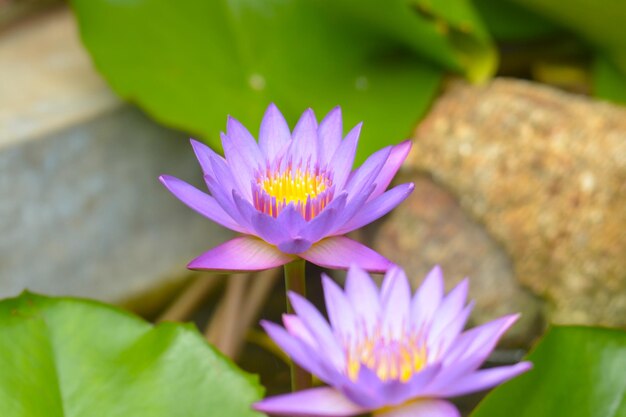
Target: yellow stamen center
x=389, y=358
x=309, y=190
x=298, y=186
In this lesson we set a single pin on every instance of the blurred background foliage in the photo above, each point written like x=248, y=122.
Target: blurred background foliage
x=188, y=63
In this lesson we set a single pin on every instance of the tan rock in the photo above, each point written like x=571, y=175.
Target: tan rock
x=430, y=228
x=545, y=171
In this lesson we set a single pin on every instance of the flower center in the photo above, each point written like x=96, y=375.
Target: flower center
x=390, y=359
x=309, y=190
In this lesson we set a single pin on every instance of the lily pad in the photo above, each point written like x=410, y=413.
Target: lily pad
x=509, y=22
x=578, y=372
x=608, y=81
x=601, y=24
x=189, y=63
x=70, y=357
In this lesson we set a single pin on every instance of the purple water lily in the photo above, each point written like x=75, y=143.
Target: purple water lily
x=387, y=352
x=292, y=195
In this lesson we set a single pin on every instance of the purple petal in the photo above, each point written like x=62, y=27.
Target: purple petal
x=363, y=295
x=274, y=135
x=371, y=392
x=377, y=208
x=439, y=343
x=295, y=245
x=283, y=231
x=339, y=252
x=296, y=328
x=450, y=308
x=298, y=350
x=330, y=133
x=241, y=136
x=326, y=221
x=395, y=297
x=291, y=221
x=242, y=158
x=204, y=155
x=484, y=379
x=394, y=161
x=200, y=202
x=343, y=159
x=478, y=342
x=427, y=298
x=423, y=408
x=221, y=184
x=244, y=253
x=367, y=390
x=266, y=226
x=304, y=144
x=367, y=173
x=244, y=210
x=316, y=402
x=398, y=392
x=422, y=379
x=319, y=328
x=469, y=351
x=339, y=309
x=353, y=206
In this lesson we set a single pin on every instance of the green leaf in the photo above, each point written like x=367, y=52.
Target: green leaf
x=600, y=24
x=578, y=372
x=62, y=356
x=190, y=63
x=608, y=81
x=510, y=22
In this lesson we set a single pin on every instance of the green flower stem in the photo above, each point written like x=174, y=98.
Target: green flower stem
x=295, y=281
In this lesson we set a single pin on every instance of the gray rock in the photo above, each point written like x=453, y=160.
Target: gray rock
x=81, y=209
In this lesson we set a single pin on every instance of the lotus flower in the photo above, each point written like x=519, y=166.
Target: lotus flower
x=293, y=194
x=387, y=352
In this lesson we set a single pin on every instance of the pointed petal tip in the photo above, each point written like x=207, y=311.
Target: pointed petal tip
x=233, y=124
x=404, y=147
x=265, y=323
x=356, y=267
x=525, y=366
x=335, y=112
x=287, y=318
x=511, y=318
x=271, y=110
x=437, y=270
x=294, y=297
x=463, y=284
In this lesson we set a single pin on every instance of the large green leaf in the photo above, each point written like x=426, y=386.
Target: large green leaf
x=578, y=372
x=189, y=63
x=508, y=21
x=68, y=357
x=608, y=81
x=601, y=24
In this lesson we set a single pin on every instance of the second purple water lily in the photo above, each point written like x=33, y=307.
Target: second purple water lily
x=386, y=351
